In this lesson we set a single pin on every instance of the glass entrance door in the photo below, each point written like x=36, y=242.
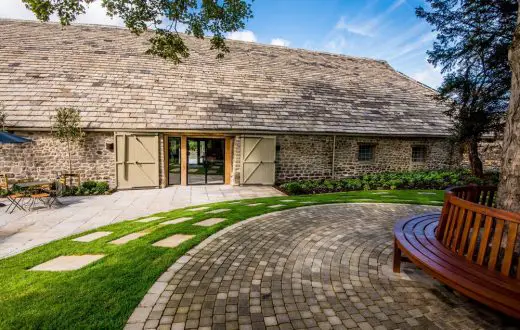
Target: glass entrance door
x=206, y=161
x=174, y=160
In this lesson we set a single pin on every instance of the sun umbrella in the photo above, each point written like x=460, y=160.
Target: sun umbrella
x=12, y=138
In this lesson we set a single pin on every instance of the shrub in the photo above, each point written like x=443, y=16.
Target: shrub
x=87, y=188
x=403, y=180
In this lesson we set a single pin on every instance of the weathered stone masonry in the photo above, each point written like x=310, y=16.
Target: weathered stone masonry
x=297, y=157
x=46, y=158
x=310, y=157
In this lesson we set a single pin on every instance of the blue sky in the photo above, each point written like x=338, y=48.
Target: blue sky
x=381, y=29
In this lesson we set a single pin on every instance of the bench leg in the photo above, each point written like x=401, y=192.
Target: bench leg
x=397, y=258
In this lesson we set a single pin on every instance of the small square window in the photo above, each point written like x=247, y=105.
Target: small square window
x=418, y=154
x=366, y=152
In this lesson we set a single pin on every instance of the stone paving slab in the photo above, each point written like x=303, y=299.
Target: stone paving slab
x=173, y=241
x=67, y=263
x=150, y=219
x=175, y=221
x=21, y=231
x=276, y=206
x=287, y=200
x=128, y=238
x=92, y=237
x=210, y=222
x=255, y=204
x=218, y=211
x=202, y=208
x=320, y=267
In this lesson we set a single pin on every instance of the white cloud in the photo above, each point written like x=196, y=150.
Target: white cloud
x=338, y=44
x=367, y=27
x=430, y=76
x=95, y=13
x=280, y=42
x=245, y=35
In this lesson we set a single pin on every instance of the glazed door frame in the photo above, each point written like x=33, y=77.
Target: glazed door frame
x=228, y=155
x=201, y=167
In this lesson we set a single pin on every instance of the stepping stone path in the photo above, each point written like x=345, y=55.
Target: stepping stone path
x=380, y=193
x=210, y=222
x=173, y=241
x=175, y=221
x=212, y=171
x=426, y=193
x=67, y=263
x=192, y=170
x=128, y=238
x=202, y=208
x=150, y=219
x=218, y=211
x=276, y=206
x=237, y=202
x=92, y=237
x=287, y=200
x=307, y=202
x=255, y=204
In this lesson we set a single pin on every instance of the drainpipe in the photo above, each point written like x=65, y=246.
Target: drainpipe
x=333, y=156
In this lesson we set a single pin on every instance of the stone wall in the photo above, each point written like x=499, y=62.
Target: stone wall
x=490, y=152
x=235, y=169
x=310, y=157
x=46, y=158
x=297, y=157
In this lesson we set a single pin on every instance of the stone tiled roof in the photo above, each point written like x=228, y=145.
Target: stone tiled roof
x=104, y=73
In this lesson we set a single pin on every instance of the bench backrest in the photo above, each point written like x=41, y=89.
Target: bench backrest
x=483, y=235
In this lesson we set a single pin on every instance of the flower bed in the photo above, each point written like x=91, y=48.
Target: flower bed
x=389, y=181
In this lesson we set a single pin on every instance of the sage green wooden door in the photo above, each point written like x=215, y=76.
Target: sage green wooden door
x=258, y=160
x=137, y=160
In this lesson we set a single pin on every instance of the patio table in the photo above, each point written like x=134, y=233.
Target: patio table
x=31, y=186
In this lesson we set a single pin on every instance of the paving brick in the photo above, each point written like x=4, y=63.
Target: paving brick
x=316, y=267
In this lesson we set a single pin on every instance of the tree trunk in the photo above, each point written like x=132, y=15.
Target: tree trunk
x=474, y=159
x=509, y=187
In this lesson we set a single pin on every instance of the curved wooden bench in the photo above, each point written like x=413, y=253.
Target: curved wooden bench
x=470, y=247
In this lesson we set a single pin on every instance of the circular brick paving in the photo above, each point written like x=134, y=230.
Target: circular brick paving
x=325, y=267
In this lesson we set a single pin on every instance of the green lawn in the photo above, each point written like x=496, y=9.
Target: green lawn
x=104, y=294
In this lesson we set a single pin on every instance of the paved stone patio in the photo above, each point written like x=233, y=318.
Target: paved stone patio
x=21, y=231
x=317, y=267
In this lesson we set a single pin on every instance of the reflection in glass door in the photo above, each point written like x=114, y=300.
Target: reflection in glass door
x=174, y=160
x=206, y=161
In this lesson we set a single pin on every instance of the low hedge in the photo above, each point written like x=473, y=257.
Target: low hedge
x=87, y=188
x=389, y=181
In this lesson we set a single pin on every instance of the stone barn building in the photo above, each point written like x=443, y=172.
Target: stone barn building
x=261, y=115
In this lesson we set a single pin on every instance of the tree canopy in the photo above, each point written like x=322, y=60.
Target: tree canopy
x=165, y=17
x=471, y=47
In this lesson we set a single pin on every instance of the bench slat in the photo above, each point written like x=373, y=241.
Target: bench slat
x=452, y=222
x=512, y=233
x=474, y=237
x=484, y=240
x=465, y=232
x=495, y=244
